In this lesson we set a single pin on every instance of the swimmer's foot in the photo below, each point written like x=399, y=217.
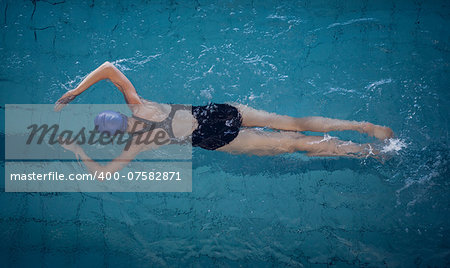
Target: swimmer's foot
x=372, y=152
x=377, y=131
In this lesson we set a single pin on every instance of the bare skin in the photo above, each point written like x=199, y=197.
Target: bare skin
x=251, y=141
x=286, y=138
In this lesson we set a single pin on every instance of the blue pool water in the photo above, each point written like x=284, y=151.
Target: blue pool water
x=386, y=62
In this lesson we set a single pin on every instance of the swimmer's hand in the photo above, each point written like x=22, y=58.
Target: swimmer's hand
x=379, y=132
x=73, y=147
x=64, y=100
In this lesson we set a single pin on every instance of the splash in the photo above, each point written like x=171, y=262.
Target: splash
x=132, y=63
x=326, y=137
x=73, y=83
x=350, y=22
x=424, y=176
x=393, y=145
x=207, y=93
x=375, y=84
x=340, y=90
x=126, y=64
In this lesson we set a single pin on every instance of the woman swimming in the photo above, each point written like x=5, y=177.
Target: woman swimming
x=214, y=126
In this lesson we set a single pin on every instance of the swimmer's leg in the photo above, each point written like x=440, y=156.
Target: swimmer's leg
x=257, y=142
x=259, y=118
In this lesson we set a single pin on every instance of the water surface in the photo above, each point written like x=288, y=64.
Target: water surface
x=381, y=61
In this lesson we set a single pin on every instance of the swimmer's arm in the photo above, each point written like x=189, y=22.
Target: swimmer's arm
x=106, y=71
x=115, y=165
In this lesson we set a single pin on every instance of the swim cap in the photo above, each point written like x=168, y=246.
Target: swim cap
x=111, y=122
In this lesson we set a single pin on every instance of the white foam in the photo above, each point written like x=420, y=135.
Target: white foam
x=139, y=60
x=350, y=22
x=126, y=64
x=375, y=84
x=207, y=93
x=73, y=83
x=393, y=145
x=326, y=137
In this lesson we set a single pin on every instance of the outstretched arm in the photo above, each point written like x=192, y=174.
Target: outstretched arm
x=115, y=165
x=106, y=71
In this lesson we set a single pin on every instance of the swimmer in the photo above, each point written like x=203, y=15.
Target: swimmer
x=230, y=128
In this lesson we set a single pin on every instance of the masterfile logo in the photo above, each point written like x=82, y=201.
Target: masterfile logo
x=52, y=151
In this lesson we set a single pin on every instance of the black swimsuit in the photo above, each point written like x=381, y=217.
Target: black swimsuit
x=218, y=125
